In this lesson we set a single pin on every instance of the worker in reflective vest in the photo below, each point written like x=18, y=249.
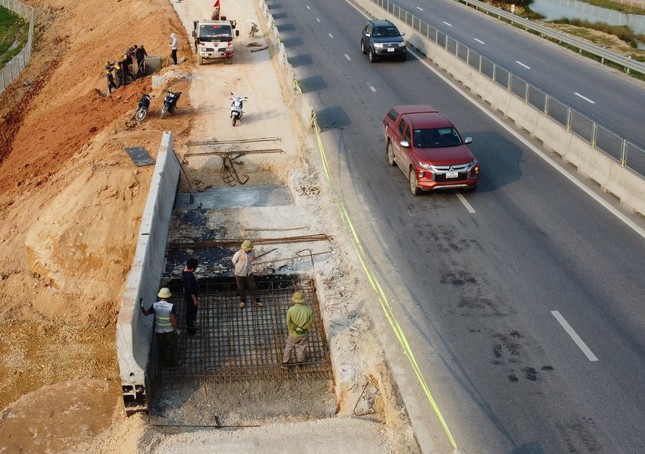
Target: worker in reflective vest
x=165, y=328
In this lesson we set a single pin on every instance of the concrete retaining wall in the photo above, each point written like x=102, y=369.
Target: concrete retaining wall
x=133, y=329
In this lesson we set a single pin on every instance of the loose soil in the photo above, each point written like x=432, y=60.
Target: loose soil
x=71, y=201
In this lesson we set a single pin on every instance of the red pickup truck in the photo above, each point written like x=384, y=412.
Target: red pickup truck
x=428, y=149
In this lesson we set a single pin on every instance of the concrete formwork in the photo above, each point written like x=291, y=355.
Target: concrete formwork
x=133, y=329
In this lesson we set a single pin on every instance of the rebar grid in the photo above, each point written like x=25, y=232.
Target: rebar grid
x=241, y=344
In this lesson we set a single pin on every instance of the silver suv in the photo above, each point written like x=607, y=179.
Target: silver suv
x=381, y=39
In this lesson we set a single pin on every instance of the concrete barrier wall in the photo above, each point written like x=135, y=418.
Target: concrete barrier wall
x=134, y=330
x=299, y=104
x=620, y=181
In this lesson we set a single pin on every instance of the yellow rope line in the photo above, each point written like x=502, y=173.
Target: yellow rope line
x=382, y=298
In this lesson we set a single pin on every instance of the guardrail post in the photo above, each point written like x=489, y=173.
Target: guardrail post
x=623, y=154
x=569, y=121
x=594, y=134
x=546, y=105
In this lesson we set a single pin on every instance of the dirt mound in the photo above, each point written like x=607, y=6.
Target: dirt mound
x=71, y=199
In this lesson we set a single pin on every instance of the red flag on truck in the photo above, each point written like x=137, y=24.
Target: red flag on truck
x=216, y=4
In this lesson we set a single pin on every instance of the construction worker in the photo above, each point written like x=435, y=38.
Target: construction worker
x=242, y=261
x=165, y=328
x=125, y=67
x=109, y=67
x=191, y=297
x=174, y=44
x=118, y=71
x=300, y=317
x=140, y=54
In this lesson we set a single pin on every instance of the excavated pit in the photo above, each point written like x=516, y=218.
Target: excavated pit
x=231, y=374
x=242, y=344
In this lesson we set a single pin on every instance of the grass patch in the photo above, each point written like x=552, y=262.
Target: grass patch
x=14, y=32
x=607, y=4
x=525, y=6
x=622, y=32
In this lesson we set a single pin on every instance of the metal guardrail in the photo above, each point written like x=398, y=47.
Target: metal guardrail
x=578, y=43
x=15, y=66
x=626, y=153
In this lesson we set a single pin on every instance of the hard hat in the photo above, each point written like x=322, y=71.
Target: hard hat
x=164, y=293
x=298, y=297
x=247, y=244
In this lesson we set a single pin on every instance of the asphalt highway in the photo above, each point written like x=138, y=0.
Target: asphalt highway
x=602, y=94
x=522, y=301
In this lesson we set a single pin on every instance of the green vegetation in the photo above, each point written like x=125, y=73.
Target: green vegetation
x=14, y=32
x=623, y=32
x=608, y=4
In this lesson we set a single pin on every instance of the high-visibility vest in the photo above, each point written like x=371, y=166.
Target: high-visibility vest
x=163, y=323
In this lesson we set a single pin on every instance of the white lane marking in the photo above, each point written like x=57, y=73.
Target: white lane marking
x=347, y=57
x=317, y=20
x=479, y=41
x=614, y=211
x=586, y=99
x=419, y=8
x=330, y=35
x=579, y=342
x=447, y=23
x=522, y=64
x=372, y=88
x=468, y=206
x=308, y=7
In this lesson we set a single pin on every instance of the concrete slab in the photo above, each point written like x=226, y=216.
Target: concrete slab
x=235, y=197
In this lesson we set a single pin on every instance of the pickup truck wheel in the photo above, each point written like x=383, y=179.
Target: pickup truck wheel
x=390, y=154
x=363, y=47
x=414, y=189
x=372, y=56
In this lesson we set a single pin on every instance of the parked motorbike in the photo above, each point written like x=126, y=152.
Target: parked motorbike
x=254, y=30
x=170, y=102
x=142, y=108
x=237, y=105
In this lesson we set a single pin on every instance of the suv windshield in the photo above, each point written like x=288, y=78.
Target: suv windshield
x=385, y=31
x=436, y=138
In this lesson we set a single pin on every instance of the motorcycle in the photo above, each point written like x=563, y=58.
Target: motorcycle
x=236, y=108
x=142, y=108
x=170, y=102
x=254, y=30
